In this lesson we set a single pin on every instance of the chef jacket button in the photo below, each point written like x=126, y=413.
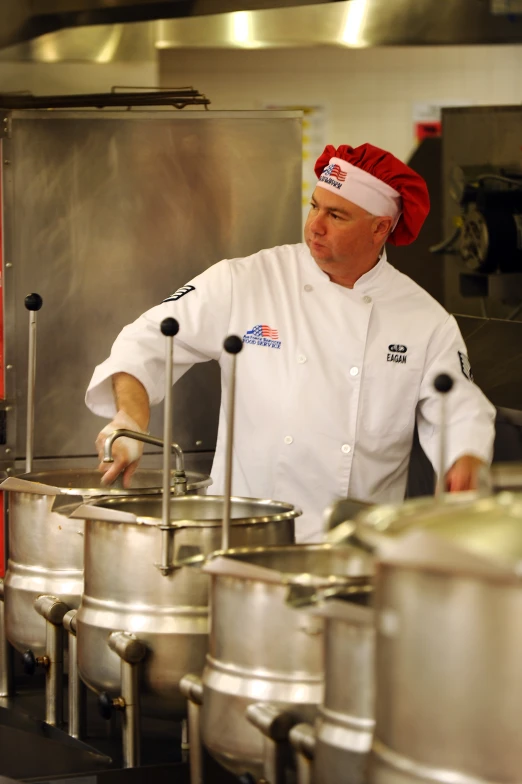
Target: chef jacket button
x=354, y=371
x=367, y=299
x=301, y=358
x=308, y=287
x=288, y=439
x=346, y=448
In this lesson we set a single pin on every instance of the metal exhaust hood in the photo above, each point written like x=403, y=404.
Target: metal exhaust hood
x=22, y=20
x=109, y=30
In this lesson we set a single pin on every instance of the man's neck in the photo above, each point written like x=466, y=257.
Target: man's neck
x=349, y=279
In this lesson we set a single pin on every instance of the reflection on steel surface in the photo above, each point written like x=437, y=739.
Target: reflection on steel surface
x=351, y=23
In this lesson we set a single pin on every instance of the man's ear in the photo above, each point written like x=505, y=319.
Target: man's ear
x=381, y=228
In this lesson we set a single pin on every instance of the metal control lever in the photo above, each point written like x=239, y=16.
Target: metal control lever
x=180, y=478
x=232, y=345
x=443, y=384
x=33, y=303
x=169, y=328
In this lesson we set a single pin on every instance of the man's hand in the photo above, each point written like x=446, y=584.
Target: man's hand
x=125, y=451
x=464, y=474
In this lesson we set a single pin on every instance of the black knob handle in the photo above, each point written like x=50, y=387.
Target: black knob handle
x=443, y=383
x=33, y=302
x=233, y=344
x=169, y=327
x=246, y=778
x=29, y=660
x=105, y=705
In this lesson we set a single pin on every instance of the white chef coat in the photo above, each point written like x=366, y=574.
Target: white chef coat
x=329, y=381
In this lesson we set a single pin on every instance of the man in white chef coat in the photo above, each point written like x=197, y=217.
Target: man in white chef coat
x=339, y=358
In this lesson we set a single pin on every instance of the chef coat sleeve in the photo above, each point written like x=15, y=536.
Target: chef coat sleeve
x=470, y=417
x=203, y=313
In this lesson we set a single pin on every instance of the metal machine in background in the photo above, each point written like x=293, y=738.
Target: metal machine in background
x=469, y=253
x=106, y=213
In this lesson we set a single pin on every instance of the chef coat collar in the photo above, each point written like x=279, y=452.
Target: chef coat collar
x=370, y=279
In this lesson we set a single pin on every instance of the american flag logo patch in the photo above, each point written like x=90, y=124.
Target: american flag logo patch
x=465, y=366
x=262, y=335
x=335, y=171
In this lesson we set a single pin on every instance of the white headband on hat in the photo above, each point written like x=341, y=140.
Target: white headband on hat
x=361, y=188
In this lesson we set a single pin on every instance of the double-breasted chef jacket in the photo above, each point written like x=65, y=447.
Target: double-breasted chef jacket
x=330, y=380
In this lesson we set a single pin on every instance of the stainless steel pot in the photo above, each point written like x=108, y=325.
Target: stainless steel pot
x=339, y=743
x=46, y=547
x=126, y=591
x=449, y=642
x=261, y=649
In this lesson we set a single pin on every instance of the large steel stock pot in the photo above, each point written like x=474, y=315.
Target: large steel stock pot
x=341, y=739
x=46, y=547
x=448, y=646
x=261, y=649
x=125, y=591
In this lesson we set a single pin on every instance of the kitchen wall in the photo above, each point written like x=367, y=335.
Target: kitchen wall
x=369, y=94
x=75, y=77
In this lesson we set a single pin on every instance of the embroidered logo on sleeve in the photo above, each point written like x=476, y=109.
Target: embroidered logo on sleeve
x=180, y=293
x=262, y=335
x=465, y=366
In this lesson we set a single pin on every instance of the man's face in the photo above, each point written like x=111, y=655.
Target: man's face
x=340, y=235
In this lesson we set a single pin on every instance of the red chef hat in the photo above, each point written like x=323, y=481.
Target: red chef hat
x=378, y=182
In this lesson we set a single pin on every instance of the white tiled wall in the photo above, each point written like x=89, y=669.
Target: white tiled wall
x=369, y=94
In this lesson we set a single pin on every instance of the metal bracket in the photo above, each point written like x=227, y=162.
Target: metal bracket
x=6, y=127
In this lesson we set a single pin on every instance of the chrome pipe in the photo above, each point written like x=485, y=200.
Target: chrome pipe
x=275, y=724
x=146, y=439
x=232, y=346
x=33, y=303
x=443, y=384
x=6, y=653
x=131, y=652
x=77, y=691
x=191, y=686
x=169, y=328
x=302, y=738
x=131, y=715
x=53, y=610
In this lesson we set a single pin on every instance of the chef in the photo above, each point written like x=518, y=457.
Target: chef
x=339, y=357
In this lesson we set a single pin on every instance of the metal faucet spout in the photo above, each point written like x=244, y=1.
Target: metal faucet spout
x=107, y=449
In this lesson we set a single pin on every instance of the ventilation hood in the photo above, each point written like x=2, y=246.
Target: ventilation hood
x=22, y=20
x=254, y=24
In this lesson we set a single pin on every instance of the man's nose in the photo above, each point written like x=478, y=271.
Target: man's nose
x=318, y=225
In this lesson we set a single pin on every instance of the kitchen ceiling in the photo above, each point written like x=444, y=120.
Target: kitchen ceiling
x=256, y=24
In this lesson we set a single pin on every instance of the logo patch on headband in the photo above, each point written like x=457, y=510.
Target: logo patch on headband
x=333, y=175
x=180, y=293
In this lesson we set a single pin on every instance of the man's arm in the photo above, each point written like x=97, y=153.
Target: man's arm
x=133, y=413
x=470, y=417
